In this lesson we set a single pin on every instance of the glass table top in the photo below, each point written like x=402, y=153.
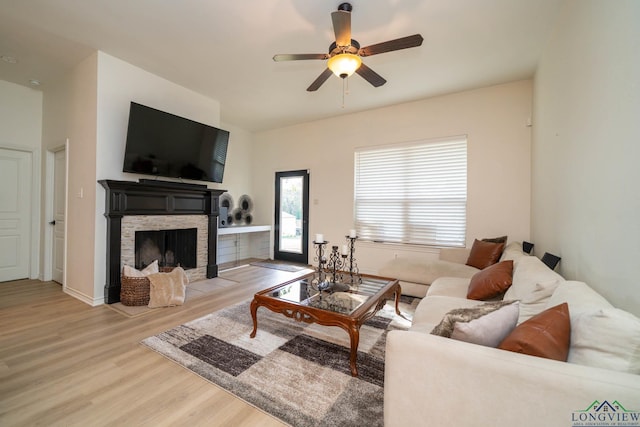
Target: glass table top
x=345, y=300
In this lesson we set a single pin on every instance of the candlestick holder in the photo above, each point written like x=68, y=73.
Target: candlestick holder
x=335, y=264
x=321, y=260
x=329, y=272
x=351, y=276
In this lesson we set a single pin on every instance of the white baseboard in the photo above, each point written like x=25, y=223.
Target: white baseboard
x=83, y=297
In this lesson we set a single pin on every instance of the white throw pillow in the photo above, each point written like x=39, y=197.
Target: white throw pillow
x=149, y=269
x=490, y=329
x=528, y=272
x=533, y=284
x=579, y=296
x=606, y=338
x=485, y=324
x=536, y=301
x=513, y=251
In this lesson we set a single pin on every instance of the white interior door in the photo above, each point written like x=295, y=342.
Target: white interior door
x=15, y=214
x=59, y=215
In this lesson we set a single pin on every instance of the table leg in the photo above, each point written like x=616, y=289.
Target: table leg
x=254, y=312
x=398, y=292
x=354, y=337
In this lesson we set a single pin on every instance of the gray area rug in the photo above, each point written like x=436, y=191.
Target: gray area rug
x=296, y=372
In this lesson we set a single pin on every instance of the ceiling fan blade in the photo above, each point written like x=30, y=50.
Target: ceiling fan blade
x=342, y=27
x=320, y=80
x=371, y=76
x=391, y=45
x=299, y=56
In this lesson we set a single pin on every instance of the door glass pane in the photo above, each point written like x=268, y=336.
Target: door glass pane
x=291, y=214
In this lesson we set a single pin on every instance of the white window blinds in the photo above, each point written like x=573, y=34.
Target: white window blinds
x=413, y=193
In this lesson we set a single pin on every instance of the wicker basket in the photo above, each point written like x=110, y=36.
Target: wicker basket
x=135, y=290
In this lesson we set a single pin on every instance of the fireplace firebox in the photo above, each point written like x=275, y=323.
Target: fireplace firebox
x=170, y=247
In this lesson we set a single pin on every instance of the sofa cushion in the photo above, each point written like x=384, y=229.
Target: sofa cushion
x=528, y=272
x=450, y=287
x=606, y=338
x=484, y=254
x=537, y=301
x=486, y=324
x=491, y=282
x=458, y=255
x=546, y=335
x=579, y=296
x=424, y=271
x=601, y=335
x=417, y=290
x=513, y=251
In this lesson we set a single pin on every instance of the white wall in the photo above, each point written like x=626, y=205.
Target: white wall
x=586, y=148
x=493, y=118
x=119, y=83
x=20, y=116
x=90, y=106
x=238, y=170
x=70, y=112
x=21, y=129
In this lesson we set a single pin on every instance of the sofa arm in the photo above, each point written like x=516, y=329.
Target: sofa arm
x=459, y=255
x=435, y=381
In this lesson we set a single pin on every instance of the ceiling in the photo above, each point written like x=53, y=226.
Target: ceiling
x=224, y=49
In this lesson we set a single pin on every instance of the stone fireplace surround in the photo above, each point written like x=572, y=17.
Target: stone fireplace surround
x=157, y=199
x=133, y=223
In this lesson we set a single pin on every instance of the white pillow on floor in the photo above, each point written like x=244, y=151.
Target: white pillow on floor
x=149, y=269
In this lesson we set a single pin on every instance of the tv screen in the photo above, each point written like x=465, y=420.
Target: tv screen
x=166, y=145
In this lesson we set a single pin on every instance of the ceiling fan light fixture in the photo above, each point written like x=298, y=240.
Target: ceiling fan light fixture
x=344, y=64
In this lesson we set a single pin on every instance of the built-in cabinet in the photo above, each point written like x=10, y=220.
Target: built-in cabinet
x=237, y=244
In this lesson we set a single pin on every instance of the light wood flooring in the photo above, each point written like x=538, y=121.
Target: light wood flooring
x=65, y=363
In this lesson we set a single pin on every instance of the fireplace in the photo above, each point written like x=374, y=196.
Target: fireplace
x=132, y=207
x=170, y=247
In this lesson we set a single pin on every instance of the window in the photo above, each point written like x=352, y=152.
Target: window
x=413, y=193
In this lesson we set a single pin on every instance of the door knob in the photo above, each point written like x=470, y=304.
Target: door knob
x=52, y=222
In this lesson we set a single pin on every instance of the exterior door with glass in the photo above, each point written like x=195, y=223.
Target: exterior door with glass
x=291, y=237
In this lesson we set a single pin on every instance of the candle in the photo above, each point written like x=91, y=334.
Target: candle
x=352, y=233
x=345, y=250
x=319, y=238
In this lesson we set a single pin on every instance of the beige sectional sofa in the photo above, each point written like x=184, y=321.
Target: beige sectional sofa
x=415, y=275
x=431, y=380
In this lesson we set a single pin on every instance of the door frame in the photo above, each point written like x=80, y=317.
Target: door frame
x=302, y=258
x=47, y=273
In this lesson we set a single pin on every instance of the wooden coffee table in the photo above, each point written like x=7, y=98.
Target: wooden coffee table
x=349, y=310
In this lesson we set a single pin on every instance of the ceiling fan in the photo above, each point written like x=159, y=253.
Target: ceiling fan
x=344, y=57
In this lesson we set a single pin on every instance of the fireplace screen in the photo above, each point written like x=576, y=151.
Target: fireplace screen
x=170, y=247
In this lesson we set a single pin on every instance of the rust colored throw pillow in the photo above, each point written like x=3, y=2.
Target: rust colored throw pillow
x=484, y=254
x=491, y=282
x=547, y=334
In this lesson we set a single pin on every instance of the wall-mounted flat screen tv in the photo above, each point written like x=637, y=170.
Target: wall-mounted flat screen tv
x=166, y=145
